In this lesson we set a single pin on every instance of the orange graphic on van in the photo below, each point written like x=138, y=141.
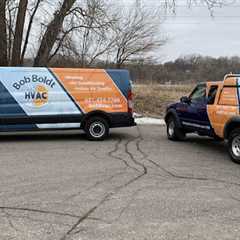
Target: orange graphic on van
x=92, y=89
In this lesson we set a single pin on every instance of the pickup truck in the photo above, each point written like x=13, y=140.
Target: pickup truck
x=211, y=109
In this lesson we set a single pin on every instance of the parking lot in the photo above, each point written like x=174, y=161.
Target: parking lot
x=135, y=185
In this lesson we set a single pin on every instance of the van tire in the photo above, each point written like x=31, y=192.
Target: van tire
x=174, y=133
x=234, y=145
x=96, y=128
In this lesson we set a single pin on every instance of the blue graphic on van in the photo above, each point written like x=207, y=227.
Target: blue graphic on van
x=121, y=79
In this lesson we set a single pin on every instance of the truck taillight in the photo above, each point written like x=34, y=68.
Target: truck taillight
x=130, y=101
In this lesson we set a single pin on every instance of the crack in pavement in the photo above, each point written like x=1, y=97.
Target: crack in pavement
x=144, y=168
x=116, y=190
x=115, y=150
x=93, y=186
x=10, y=215
x=124, y=209
x=174, y=175
x=104, y=199
x=82, y=218
x=131, y=159
x=39, y=211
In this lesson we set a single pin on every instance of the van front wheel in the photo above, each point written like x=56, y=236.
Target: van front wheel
x=96, y=128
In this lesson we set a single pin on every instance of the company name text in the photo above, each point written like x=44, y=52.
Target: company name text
x=35, y=79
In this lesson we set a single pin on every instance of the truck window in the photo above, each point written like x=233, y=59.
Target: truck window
x=199, y=94
x=212, y=95
x=228, y=96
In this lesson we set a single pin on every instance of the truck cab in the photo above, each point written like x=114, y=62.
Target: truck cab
x=211, y=109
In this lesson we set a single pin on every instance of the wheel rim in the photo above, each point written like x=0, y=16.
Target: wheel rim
x=97, y=129
x=171, y=127
x=236, y=146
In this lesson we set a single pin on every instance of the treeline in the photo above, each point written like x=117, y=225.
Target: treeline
x=189, y=69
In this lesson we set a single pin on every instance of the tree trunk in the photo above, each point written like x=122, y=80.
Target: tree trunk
x=3, y=34
x=29, y=28
x=51, y=34
x=18, y=37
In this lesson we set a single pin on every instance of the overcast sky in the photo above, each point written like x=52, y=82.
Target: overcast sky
x=194, y=31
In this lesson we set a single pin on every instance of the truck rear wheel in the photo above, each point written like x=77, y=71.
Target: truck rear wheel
x=96, y=128
x=234, y=145
x=174, y=133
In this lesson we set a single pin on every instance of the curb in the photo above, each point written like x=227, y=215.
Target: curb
x=150, y=121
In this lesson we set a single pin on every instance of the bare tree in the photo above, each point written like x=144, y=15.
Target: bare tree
x=210, y=4
x=3, y=34
x=85, y=39
x=135, y=34
x=52, y=32
x=93, y=40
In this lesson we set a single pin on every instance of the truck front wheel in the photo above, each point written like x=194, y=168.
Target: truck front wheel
x=96, y=128
x=174, y=133
x=234, y=145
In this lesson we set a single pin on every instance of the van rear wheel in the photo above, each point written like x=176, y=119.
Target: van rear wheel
x=96, y=128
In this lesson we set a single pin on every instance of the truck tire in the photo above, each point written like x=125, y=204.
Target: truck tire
x=234, y=145
x=96, y=128
x=174, y=133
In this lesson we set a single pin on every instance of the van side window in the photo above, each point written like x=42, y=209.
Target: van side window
x=212, y=95
x=199, y=94
x=229, y=96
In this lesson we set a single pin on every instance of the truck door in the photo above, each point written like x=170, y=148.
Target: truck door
x=194, y=114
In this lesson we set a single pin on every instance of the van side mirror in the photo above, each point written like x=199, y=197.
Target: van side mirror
x=185, y=99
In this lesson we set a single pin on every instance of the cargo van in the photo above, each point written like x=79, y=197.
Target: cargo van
x=94, y=100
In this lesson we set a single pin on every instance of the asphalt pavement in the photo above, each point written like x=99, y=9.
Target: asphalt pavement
x=136, y=185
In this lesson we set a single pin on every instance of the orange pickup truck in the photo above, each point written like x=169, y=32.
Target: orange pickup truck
x=212, y=109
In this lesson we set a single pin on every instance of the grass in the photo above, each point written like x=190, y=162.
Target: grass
x=151, y=100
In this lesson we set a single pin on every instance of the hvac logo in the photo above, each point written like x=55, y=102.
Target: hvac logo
x=38, y=97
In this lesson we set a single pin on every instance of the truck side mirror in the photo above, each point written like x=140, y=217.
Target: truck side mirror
x=185, y=99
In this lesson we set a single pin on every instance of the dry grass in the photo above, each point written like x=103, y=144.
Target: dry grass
x=151, y=100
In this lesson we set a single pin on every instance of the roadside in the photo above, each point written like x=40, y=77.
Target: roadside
x=151, y=100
